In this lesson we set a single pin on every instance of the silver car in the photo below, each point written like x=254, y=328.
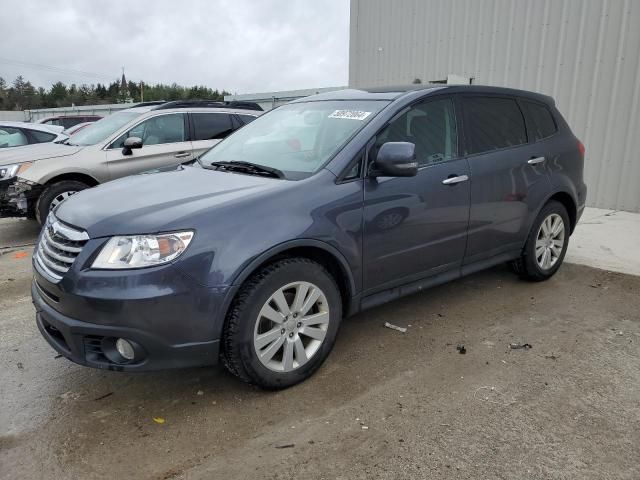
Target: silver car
x=35, y=179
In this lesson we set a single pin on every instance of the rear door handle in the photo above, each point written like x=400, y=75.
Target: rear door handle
x=454, y=180
x=182, y=154
x=535, y=160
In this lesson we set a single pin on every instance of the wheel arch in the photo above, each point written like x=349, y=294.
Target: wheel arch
x=316, y=250
x=569, y=204
x=79, y=177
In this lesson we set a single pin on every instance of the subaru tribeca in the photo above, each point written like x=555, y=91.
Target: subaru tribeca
x=316, y=210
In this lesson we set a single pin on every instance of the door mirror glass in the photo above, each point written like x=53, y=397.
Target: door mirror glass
x=396, y=159
x=131, y=143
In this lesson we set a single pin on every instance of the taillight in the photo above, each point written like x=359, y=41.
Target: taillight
x=581, y=148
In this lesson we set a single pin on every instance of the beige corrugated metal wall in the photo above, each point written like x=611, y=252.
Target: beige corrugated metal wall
x=585, y=53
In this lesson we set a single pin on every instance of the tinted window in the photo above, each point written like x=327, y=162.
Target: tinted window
x=41, y=137
x=246, y=118
x=156, y=130
x=211, y=126
x=431, y=126
x=12, y=137
x=493, y=123
x=542, y=124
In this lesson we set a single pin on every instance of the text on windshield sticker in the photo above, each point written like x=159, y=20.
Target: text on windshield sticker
x=350, y=114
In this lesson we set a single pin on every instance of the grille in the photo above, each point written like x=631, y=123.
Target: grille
x=58, y=247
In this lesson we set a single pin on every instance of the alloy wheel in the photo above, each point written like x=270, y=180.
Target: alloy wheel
x=291, y=326
x=60, y=198
x=550, y=241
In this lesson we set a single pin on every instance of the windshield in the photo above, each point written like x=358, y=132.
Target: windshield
x=100, y=130
x=298, y=138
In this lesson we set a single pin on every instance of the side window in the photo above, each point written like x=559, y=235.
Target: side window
x=541, y=120
x=157, y=130
x=12, y=137
x=211, y=126
x=41, y=137
x=431, y=126
x=246, y=118
x=492, y=123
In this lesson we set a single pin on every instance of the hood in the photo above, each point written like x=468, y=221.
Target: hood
x=39, y=151
x=159, y=201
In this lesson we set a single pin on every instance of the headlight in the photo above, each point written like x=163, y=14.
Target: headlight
x=137, y=251
x=10, y=171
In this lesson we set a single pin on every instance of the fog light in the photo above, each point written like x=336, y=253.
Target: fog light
x=125, y=349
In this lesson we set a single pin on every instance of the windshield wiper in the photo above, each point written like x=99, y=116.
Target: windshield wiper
x=247, y=167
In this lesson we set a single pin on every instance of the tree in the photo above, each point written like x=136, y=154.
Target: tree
x=21, y=94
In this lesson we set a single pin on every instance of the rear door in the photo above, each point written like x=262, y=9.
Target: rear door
x=164, y=143
x=208, y=128
x=508, y=175
x=416, y=227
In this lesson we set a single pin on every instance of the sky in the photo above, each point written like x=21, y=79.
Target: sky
x=241, y=46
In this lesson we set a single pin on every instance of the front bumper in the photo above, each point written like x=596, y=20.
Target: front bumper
x=171, y=322
x=18, y=197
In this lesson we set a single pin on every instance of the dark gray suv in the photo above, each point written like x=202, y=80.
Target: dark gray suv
x=314, y=211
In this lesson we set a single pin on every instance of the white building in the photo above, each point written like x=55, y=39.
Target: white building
x=584, y=53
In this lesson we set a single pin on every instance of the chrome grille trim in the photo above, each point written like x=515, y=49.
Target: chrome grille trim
x=61, y=246
x=58, y=248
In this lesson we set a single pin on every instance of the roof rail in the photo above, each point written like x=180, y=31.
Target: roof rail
x=149, y=104
x=209, y=104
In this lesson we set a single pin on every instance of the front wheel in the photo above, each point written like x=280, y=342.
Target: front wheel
x=55, y=194
x=283, y=324
x=546, y=244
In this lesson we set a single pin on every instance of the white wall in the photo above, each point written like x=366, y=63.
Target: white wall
x=584, y=53
x=14, y=116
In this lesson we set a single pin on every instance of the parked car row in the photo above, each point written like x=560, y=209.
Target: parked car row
x=321, y=208
x=36, y=179
x=68, y=121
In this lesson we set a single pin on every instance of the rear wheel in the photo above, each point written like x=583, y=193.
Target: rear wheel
x=546, y=245
x=283, y=324
x=55, y=194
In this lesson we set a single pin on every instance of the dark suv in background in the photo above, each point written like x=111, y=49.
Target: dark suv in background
x=314, y=211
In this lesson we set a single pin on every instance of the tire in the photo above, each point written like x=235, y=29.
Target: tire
x=243, y=337
x=53, y=193
x=531, y=266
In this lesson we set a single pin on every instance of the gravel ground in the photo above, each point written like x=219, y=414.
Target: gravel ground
x=385, y=405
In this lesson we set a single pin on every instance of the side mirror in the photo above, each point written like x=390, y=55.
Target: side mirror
x=396, y=159
x=131, y=143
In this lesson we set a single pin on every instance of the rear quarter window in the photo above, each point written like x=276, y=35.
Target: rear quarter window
x=42, y=137
x=246, y=118
x=541, y=122
x=492, y=123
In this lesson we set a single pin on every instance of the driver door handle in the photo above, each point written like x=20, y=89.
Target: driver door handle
x=182, y=154
x=454, y=180
x=535, y=160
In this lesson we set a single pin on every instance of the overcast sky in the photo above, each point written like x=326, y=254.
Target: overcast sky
x=242, y=46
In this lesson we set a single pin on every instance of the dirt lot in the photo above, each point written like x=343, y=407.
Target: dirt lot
x=385, y=405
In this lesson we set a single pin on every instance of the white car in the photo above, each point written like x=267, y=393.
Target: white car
x=19, y=134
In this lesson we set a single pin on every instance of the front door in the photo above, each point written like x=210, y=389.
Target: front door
x=417, y=226
x=164, y=143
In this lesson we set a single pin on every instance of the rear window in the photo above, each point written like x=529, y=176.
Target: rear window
x=211, y=126
x=541, y=120
x=493, y=123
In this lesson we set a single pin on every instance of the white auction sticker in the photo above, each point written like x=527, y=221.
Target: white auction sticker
x=350, y=114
